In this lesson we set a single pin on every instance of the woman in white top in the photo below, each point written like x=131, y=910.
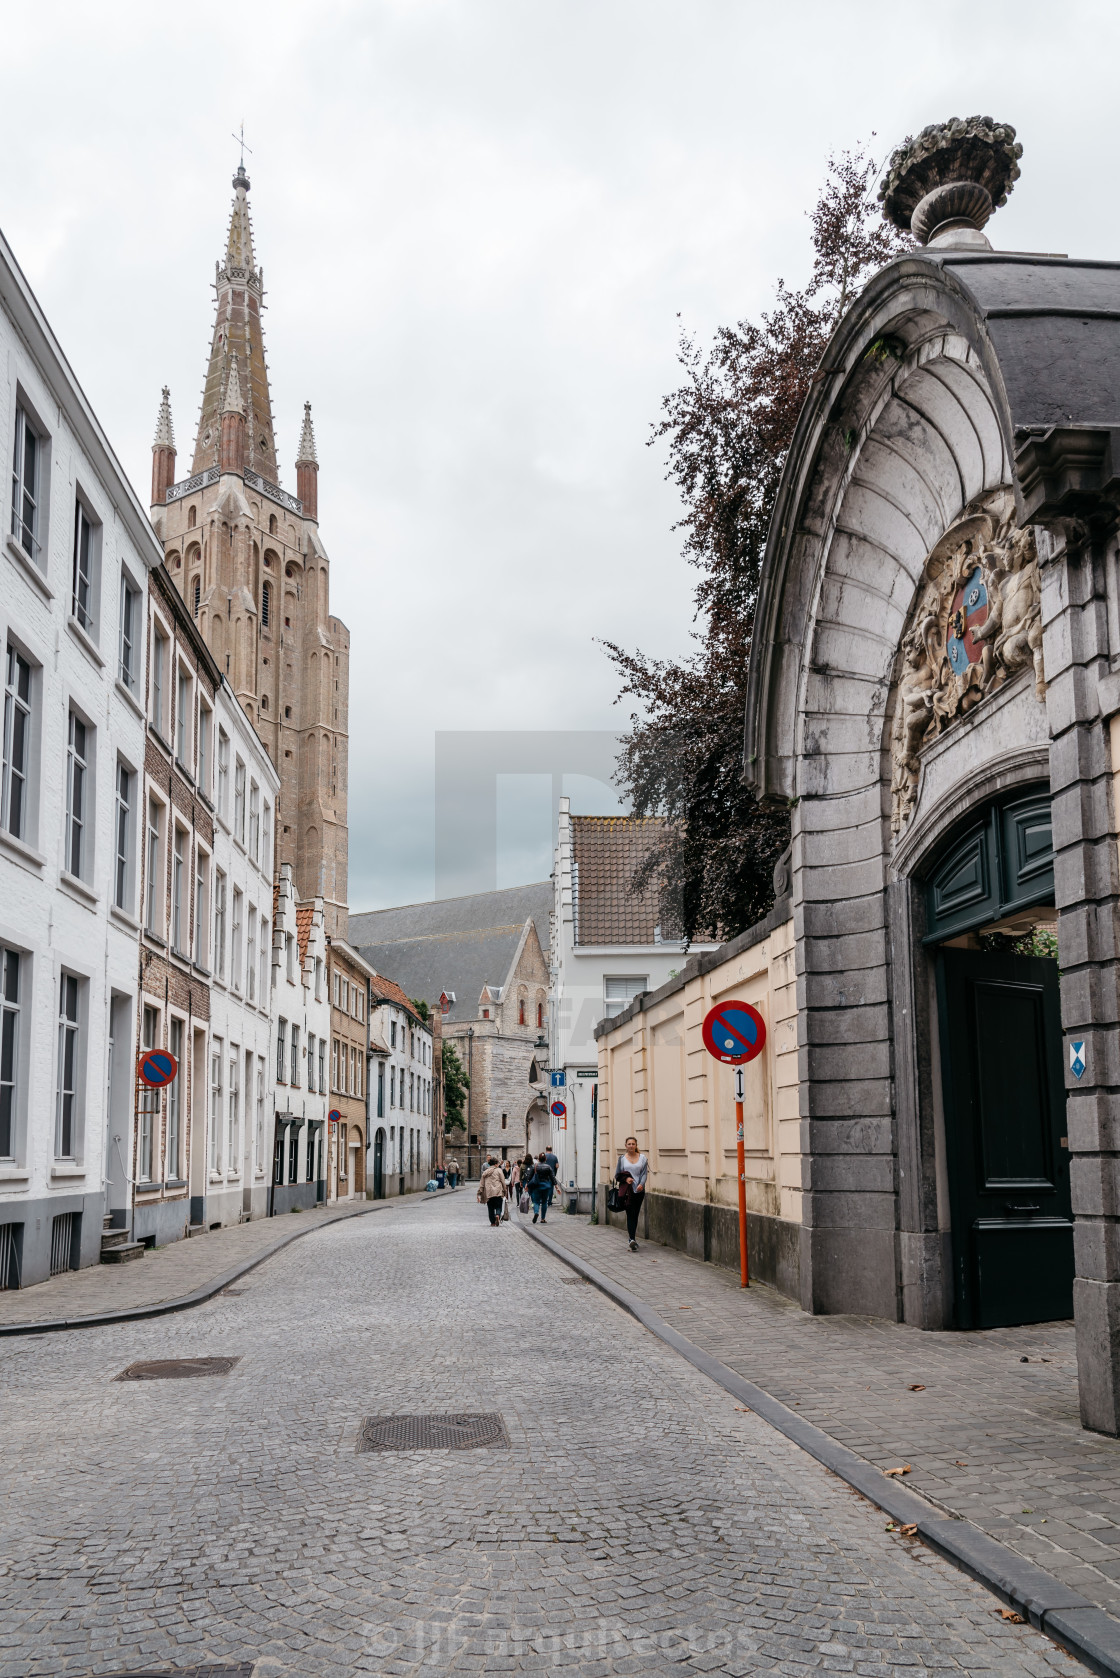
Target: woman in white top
x=631, y=1175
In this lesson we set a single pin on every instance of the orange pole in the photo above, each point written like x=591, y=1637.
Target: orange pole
x=744, y=1262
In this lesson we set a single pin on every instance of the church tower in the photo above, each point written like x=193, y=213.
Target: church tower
x=250, y=563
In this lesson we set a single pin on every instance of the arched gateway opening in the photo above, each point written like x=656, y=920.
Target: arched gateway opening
x=997, y=1045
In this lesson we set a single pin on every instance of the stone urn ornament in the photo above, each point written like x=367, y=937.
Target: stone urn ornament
x=944, y=185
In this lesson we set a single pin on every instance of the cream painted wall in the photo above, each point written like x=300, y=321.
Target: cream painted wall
x=657, y=1081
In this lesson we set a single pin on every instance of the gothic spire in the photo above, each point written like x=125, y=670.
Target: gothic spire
x=165, y=431
x=306, y=455
x=238, y=337
x=163, y=452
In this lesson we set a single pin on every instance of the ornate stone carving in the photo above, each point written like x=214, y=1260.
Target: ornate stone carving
x=945, y=184
x=976, y=622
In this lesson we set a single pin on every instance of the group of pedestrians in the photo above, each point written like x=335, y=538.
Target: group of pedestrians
x=533, y=1181
x=527, y=1181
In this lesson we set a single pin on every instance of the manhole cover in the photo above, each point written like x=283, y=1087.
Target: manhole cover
x=458, y=1432
x=180, y=1369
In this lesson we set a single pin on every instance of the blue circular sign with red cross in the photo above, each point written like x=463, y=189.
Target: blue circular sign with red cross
x=734, y=1032
x=558, y=1109
x=156, y=1068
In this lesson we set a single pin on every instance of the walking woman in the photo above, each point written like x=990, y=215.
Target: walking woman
x=492, y=1189
x=540, y=1188
x=633, y=1169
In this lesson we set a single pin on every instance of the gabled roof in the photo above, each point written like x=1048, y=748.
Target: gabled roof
x=455, y=944
x=305, y=914
x=606, y=853
x=387, y=990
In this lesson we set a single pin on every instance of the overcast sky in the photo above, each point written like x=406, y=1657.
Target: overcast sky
x=478, y=222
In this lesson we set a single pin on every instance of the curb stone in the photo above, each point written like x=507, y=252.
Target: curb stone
x=1065, y=1615
x=136, y=1313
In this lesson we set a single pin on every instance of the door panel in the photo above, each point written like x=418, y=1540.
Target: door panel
x=1004, y=1097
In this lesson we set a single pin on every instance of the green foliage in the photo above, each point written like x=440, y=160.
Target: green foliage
x=728, y=429
x=455, y=1086
x=422, y=1008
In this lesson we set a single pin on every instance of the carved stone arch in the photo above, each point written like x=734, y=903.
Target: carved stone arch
x=906, y=429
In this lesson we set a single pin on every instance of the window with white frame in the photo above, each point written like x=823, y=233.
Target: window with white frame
x=160, y=655
x=78, y=744
x=128, y=661
x=182, y=715
x=204, y=724
x=16, y=802
x=218, y=963
x=239, y=801
x=180, y=862
x=251, y=955
x=175, y=1102
x=235, y=939
x=281, y=1039
x=334, y=1063
x=122, y=861
x=620, y=989
x=392, y=1086
x=311, y=1060
x=217, y=1054
x=153, y=907
x=322, y=1066
x=223, y=774
x=201, y=916
x=83, y=592
x=258, y=1158
x=266, y=841
x=11, y=1003
x=295, y=1080
x=266, y=956
x=69, y=1068
x=254, y=821
x=233, y=1152
x=149, y=1103
x=28, y=468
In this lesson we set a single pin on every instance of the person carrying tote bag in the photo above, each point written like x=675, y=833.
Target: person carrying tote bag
x=492, y=1189
x=630, y=1176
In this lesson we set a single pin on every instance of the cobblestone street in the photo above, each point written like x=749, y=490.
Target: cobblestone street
x=638, y=1523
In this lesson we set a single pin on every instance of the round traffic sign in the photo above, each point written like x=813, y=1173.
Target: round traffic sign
x=734, y=1032
x=156, y=1068
x=334, y=1116
x=558, y=1109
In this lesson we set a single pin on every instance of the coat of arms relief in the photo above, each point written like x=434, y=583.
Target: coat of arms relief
x=977, y=622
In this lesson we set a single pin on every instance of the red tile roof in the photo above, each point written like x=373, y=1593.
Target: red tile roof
x=386, y=990
x=304, y=917
x=606, y=852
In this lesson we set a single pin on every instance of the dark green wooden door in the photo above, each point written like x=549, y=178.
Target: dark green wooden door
x=1004, y=1098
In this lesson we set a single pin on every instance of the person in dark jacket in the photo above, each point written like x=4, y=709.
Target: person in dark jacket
x=631, y=1176
x=555, y=1164
x=541, y=1185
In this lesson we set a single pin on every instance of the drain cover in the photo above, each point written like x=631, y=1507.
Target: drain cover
x=180, y=1369
x=243, y=1669
x=458, y=1432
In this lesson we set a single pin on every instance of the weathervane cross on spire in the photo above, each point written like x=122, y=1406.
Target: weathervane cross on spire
x=240, y=138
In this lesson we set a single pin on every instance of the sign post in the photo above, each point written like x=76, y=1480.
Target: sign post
x=734, y=1033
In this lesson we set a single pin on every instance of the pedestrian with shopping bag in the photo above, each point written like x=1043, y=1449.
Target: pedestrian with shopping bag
x=630, y=1178
x=492, y=1190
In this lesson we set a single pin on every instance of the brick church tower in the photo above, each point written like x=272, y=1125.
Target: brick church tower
x=249, y=561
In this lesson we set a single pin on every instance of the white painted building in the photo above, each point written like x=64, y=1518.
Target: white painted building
x=402, y=1102
x=77, y=552
x=242, y=1065
x=301, y=1014
x=607, y=948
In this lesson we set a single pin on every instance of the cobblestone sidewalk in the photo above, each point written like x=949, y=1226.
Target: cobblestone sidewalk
x=988, y=1421
x=167, y=1272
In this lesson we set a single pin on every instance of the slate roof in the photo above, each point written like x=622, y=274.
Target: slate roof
x=606, y=851
x=455, y=944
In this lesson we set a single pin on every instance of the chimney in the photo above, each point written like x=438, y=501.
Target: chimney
x=163, y=452
x=307, y=468
x=232, y=458
x=943, y=186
